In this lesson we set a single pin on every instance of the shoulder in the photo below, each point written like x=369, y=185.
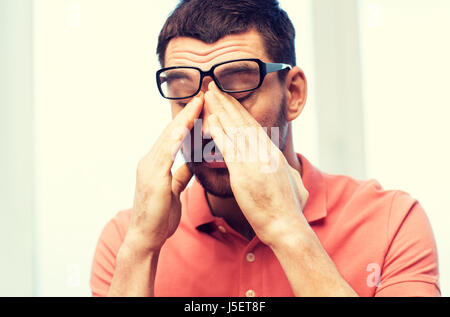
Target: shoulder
x=344, y=190
x=365, y=203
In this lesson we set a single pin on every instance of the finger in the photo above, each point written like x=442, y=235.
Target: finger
x=302, y=191
x=296, y=175
x=180, y=179
x=221, y=139
x=171, y=139
x=237, y=121
x=216, y=105
x=185, y=119
x=233, y=107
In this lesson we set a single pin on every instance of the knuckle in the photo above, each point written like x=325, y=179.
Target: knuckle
x=306, y=193
x=142, y=165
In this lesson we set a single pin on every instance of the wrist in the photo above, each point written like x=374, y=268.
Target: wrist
x=135, y=271
x=293, y=235
x=138, y=244
x=132, y=257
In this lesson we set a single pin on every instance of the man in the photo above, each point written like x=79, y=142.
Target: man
x=259, y=219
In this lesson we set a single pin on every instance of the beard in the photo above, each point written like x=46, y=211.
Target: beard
x=216, y=181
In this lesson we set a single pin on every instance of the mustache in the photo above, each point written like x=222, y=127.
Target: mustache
x=202, y=151
x=246, y=144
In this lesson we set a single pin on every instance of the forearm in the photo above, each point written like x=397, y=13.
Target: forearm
x=135, y=272
x=309, y=269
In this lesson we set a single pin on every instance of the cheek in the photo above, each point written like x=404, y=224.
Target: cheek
x=266, y=113
x=267, y=106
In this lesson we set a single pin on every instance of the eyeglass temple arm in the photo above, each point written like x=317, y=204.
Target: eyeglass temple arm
x=274, y=67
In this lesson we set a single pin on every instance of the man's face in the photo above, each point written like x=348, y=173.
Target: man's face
x=266, y=104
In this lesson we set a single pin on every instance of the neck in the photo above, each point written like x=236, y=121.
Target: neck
x=228, y=208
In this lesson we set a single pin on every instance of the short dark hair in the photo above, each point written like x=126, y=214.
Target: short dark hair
x=211, y=20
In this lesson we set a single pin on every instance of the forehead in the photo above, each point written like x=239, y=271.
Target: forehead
x=187, y=51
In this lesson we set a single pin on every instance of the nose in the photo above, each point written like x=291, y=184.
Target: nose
x=205, y=112
x=205, y=83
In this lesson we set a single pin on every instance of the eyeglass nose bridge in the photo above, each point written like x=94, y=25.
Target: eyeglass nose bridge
x=209, y=73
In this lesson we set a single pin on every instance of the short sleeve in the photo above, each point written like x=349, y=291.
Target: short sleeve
x=106, y=251
x=411, y=263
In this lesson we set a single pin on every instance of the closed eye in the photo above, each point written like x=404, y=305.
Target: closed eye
x=183, y=102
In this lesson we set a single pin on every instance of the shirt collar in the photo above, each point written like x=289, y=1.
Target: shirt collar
x=199, y=213
x=316, y=206
x=197, y=208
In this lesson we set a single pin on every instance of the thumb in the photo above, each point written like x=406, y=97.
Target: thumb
x=180, y=179
x=302, y=191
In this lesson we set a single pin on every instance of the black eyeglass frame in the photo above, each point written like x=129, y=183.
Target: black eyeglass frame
x=264, y=69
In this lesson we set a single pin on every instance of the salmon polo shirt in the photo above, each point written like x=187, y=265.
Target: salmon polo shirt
x=380, y=241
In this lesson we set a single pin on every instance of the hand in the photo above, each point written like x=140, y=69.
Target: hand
x=157, y=207
x=269, y=192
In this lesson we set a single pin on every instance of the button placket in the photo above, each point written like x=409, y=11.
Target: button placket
x=251, y=277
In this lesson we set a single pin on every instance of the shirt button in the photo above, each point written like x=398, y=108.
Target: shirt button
x=250, y=257
x=250, y=293
x=222, y=229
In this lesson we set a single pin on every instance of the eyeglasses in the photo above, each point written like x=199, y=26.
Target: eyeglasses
x=234, y=77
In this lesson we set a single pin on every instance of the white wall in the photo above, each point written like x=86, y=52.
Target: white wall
x=97, y=113
x=405, y=52
x=305, y=127
x=16, y=149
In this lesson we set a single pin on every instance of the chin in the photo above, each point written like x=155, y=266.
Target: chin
x=215, y=181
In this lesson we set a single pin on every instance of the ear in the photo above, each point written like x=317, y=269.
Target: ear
x=297, y=90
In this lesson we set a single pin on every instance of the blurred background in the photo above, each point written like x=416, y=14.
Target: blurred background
x=79, y=107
